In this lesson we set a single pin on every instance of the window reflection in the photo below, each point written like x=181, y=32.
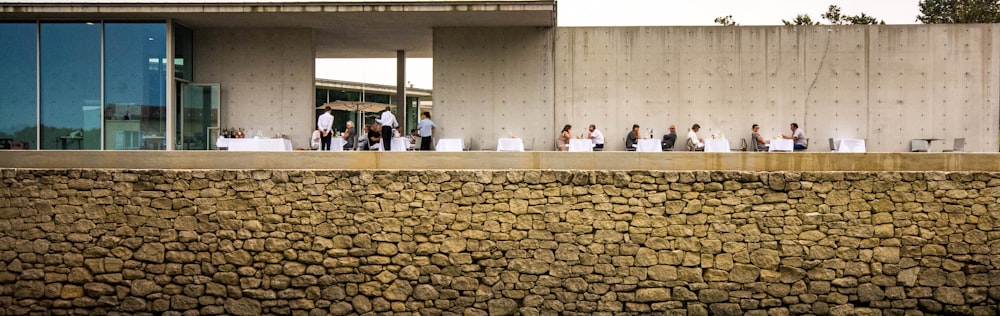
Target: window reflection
x=70, y=85
x=135, y=73
x=18, y=104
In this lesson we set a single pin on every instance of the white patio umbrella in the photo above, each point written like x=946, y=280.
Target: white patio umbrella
x=357, y=106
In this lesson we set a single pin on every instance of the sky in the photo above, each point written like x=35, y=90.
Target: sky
x=638, y=13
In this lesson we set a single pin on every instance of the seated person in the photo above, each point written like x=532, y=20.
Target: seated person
x=632, y=138
x=374, y=137
x=315, y=140
x=350, y=136
x=668, y=141
x=412, y=137
x=798, y=136
x=695, y=143
x=759, y=143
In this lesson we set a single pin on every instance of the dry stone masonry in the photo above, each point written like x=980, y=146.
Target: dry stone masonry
x=286, y=242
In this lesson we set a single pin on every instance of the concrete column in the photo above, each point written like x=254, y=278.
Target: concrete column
x=401, y=90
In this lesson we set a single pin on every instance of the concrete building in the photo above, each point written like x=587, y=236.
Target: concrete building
x=500, y=68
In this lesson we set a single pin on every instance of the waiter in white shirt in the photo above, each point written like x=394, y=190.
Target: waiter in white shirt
x=325, y=125
x=388, y=122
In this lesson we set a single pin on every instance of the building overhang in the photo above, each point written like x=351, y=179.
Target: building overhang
x=343, y=29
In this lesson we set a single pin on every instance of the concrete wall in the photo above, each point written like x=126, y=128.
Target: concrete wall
x=887, y=84
x=493, y=82
x=298, y=242
x=266, y=76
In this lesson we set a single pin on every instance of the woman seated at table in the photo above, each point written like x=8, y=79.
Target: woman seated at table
x=759, y=142
x=563, y=142
x=350, y=135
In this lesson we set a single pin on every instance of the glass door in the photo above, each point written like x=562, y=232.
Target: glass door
x=198, y=125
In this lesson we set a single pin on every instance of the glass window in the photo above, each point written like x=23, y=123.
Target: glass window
x=70, y=82
x=18, y=81
x=183, y=51
x=135, y=73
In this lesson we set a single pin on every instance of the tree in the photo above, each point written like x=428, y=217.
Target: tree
x=801, y=19
x=726, y=20
x=864, y=19
x=834, y=16
x=959, y=11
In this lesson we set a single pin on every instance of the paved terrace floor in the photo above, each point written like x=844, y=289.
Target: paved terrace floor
x=486, y=160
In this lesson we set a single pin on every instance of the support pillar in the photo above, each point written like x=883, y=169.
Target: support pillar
x=401, y=91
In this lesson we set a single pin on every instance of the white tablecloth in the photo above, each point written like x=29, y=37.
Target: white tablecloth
x=450, y=144
x=782, y=145
x=510, y=144
x=717, y=145
x=648, y=145
x=581, y=145
x=400, y=144
x=850, y=145
x=255, y=144
x=337, y=144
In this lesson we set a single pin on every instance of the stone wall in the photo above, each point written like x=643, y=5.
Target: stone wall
x=248, y=242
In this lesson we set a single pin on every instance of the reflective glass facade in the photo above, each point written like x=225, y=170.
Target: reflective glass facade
x=88, y=84
x=19, y=85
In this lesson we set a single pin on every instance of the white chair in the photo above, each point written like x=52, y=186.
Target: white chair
x=918, y=145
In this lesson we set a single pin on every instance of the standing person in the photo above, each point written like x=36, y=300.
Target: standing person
x=325, y=125
x=759, y=143
x=669, y=139
x=632, y=138
x=563, y=142
x=350, y=136
x=596, y=137
x=798, y=136
x=695, y=143
x=388, y=122
x=426, y=128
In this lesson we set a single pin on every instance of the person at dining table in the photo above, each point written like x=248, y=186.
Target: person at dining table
x=633, y=137
x=667, y=144
x=389, y=123
x=596, y=137
x=798, y=137
x=426, y=128
x=374, y=136
x=695, y=143
x=759, y=142
x=563, y=142
x=325, y=125
x=350, y=135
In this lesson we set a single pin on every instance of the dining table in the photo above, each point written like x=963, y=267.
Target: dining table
x=648, y=145
x=400, y=144
x=850, y=145
x=717, y=145
x=254, y=144
x=581, y=144
x=337, y=144
x=510, y=144
x=449, y=144
x=781, y=144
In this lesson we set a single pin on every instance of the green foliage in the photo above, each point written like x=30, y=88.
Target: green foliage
x=726, y=20
x=959, y=11
x=834, y=16
x=801, y=19
x=864, y=19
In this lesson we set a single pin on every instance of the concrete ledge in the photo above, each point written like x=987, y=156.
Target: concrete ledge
x=501, y=160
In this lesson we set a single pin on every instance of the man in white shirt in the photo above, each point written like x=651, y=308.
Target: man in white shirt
x=798, y=136
x=388, y=122
x=695, y=143
x=596, y=137
x=325, y=125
